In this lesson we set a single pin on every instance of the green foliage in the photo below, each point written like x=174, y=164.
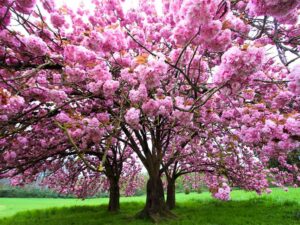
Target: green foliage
x=187, y=191
x=7, y=191
x=29, y=192
x=293, y=157
x=199, y=190
x=246, y=208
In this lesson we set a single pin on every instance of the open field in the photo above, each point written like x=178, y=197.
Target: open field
x=246, y=208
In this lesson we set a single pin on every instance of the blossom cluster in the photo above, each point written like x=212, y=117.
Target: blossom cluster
x=284, y=11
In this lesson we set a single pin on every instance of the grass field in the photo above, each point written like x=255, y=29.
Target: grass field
x=245, y=208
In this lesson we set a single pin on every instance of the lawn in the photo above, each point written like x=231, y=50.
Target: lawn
x=246, y=208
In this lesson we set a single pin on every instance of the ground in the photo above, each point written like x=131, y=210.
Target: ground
x=245, y=208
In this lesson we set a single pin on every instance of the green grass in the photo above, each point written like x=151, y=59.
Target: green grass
x=246, y=208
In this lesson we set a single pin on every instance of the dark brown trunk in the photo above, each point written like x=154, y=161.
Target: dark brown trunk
x=155, y=208
x=114, y=196
x=171, y=201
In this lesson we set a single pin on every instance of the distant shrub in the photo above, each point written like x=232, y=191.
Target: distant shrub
x=187, y=191
x=199, y=190
x=29, y=192
x=7, y=191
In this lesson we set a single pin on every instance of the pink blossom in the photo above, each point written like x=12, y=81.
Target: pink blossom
x=10, y=156
x=5, y=16
x=223, y=192
x=183, y=117
x=293, y=126
x=221, y=42
x=110, y=87
x=78, y=54
x=198, y=12
x=22, y=140
x=25, y=6
x=211, y=29
x=282, y=99
x=95, y=87
x=294, y=77
x=63, y=118
x=36, y=45
x=132, y=117
x=138, y=95
x=128, y=76
x=237, y=65
x=57, y=20
x=282, y=10
x=150, y=107
x=56, y=95
x=49, y=5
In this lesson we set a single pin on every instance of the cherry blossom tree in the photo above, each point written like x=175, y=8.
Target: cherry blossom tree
x=67, y=166
x=194, y=87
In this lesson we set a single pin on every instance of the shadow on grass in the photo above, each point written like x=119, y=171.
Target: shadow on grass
x=257, y=211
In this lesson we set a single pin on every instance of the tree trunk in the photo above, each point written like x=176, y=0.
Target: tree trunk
x=171, y=201
x=114, y=196
x=155, y=208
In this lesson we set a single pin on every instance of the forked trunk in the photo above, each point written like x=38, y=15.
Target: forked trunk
x=156, y=207
x=171, y=195
x=114, y=196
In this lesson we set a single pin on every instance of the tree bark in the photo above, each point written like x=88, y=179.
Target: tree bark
x=171, y=195
x=156, y=207
x=114, y=196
